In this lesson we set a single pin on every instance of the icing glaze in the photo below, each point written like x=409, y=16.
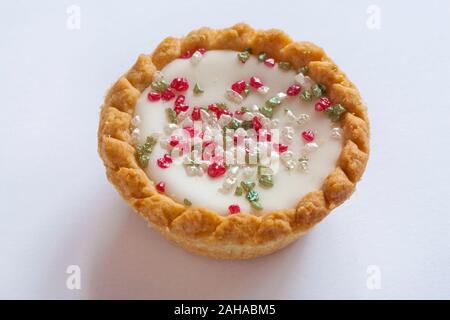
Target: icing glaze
x=298, y=170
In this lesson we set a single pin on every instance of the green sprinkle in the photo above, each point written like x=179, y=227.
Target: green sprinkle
x=262, y=56
x=198, y=89
x=266, y=181
x=246, y=124
x=172, y=115
x=143, y=151
x=234, y=124
x=267, y=111
x=273, y=102
x=318, y=90
x=284, y=65
x=160, y=85
x=252, y=196
x=247, y=89
x=335, y=112
x=303, y=159
x=222, y=105
x=322, y=87
x=187, y=203
x=247, y=185
x=303, y=70
x=243, y=56
x=238, y=192
x=264, y=170
x=256, y=205
x=306, y=95
x=245, y=109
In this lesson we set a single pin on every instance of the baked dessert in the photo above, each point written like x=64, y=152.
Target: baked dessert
x=232, y=143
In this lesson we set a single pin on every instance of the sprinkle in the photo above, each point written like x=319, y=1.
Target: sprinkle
x=158, y=76
x=310, y=147
x=168, y=95
x=335, y=112
x=256, y=122
x=304, y=70
x=216, y=170
x=293, y=90
x=247, y=124
x=336, y=133
x=266, y=181
x=233, y=96
x=234, y=208
x=281, y=96
x=153, y=96
x=238, y=86
x=248, y=172
x=135, y=121
x=267, y=111
x=195, y=115
x=306, y=95
x=238, y=192
x=262, y=56
x=280, y=147
x=186, y=55
x=252, y=196
x=256, y=82
x=196, y=57
x=187, y=203
x=143, y=151
x=243, y=56
x=179, y=84
x=287, y=133
x=269, y=62
x=247, y=185
x=161, y=187
x=172, y=115
x=308, y=135
x=169, y=128
x=302, y=119
x=304, y=163
x=284, y=65
x=256, y=205
x=303, y=80
x=273, y=102
x=263, y=90
x=317, y=90
x=181, y=108
x=247, y=89
x=159, y=85
x=233, y=124
x=162, y=163
x=198, y=89
x=322, y=104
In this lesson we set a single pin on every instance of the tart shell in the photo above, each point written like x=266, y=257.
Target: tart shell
x=203, y=231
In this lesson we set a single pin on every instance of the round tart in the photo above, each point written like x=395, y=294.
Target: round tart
x=234, y=142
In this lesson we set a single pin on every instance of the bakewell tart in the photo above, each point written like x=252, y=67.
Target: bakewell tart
x=232, y=143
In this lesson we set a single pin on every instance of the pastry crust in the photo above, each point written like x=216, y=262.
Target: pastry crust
x=201, y=230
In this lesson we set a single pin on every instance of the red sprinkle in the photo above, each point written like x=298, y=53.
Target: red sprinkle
x=195, y=115
x=162, y=163
x=322, y=104
x=179, y=84
x=308, y=135
x=216, y=170
x=153, y=96
x=293, y=90
x=201, y=50
x=161, y=187
x=168, y=95
x=267, y=137
x=270, y=62
x=174, y=141
x=179, y=100
x=238, y=86
x=256, y=121
x=186, y=55
x=280, y=148
x=191, y=130
x=180, y=108
x=167, y=158
x=234, y=208
x=256, y=82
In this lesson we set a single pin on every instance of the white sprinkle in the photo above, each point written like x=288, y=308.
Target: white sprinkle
x=263, y=90
x=310, y=147
x=224, y=120
x=281, y=96
x=304, y=81
x=135, y=121
x=302, y=119
x=287, y=133
x=169, y=128
x=135, y=134
x=336, y=133
x=158, y=76
x=233, y=96
x=196, y=57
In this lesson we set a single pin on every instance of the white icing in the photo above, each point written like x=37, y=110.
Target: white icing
x=215, y=71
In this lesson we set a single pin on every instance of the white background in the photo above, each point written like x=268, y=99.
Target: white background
x=57, y=208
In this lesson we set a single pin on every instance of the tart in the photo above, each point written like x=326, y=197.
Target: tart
x=232, y=143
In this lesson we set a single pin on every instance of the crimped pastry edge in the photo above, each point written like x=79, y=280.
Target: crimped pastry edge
x=201, y=230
